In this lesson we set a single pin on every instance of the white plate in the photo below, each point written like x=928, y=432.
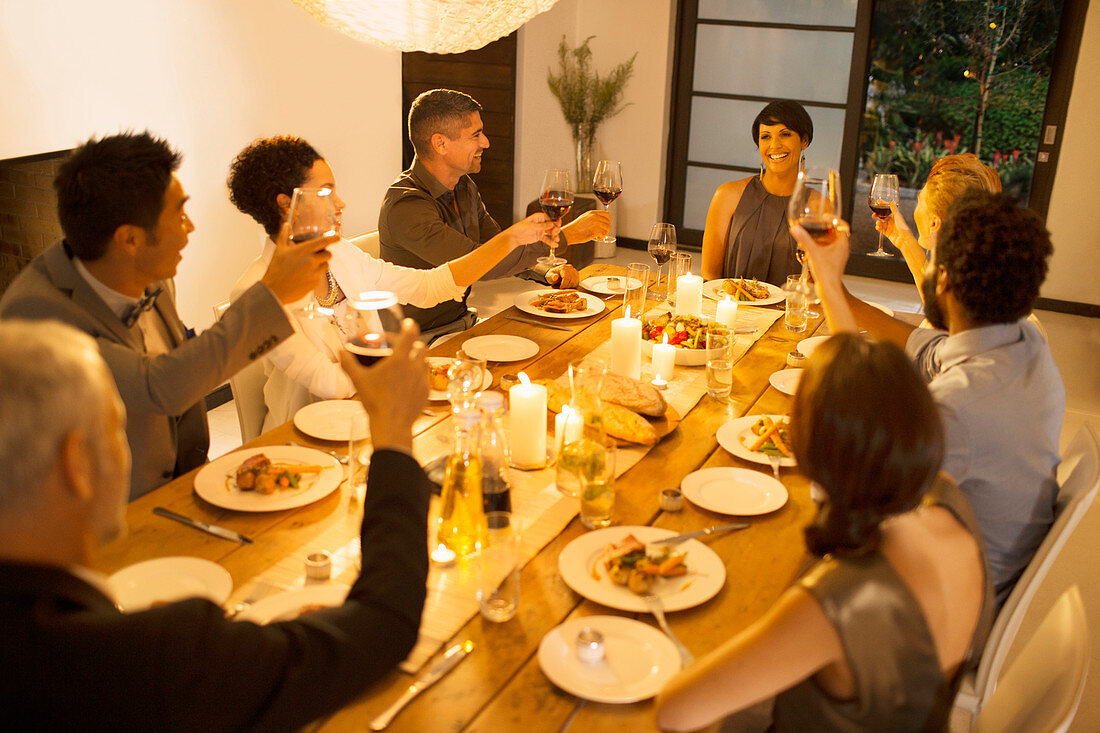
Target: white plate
x=882, y=308
x=713, y=290
x=807, y=346
x=166, y=579
x=331, y=419
x=599, y=284
x=577, y=563
x=287, y=605
x=438, y=395
x=214, y=481
x=736, y=491
x=638, y=660
x=729, y=437
x=786, y=380
x=593, y=304
x=500, y=348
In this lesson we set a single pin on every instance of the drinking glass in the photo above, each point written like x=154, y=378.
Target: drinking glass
x=719, y=378
x=797, y=314
x=884, y=191
x=680, y=264
x=719, y=338
x=607, y=184
x=634, y=291
x=662, y=244
x=597, y=486
x=375, y=322
x=555, y=199
x=498, y=566
x=312, y=214
x=465, y=377
x=815, y=205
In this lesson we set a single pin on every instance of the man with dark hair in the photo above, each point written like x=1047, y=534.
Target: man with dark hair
x=121, y=207
x=75, y=662
x=433, y=212
x=989, y=370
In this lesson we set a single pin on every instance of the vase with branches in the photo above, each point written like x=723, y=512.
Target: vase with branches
x=586, y=99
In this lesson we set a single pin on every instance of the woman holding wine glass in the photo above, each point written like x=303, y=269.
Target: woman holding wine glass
x=746, y=232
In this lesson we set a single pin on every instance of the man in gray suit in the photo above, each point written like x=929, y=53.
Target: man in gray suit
x=121, y=208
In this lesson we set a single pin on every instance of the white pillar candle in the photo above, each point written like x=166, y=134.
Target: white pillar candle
x=727, y=313
x=689, y=295
x=527, y=408
x=664, y=359
x=567, y=425
x=626, y=347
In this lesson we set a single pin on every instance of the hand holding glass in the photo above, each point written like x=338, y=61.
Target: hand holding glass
x=555, y=200
x=375, y=324
x=884, y=191
x=607, y=184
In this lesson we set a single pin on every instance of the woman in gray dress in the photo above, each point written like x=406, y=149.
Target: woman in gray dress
x=746, y=233
x=873, y=637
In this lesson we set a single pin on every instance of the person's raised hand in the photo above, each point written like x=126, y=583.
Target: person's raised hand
x=826, y=260
x=894, y=226
x=296, y=269
x=563, y=276
x=536, y=228
x=394, y=389
x=589, y=225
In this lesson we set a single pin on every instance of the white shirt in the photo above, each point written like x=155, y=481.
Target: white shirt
x=154, y=333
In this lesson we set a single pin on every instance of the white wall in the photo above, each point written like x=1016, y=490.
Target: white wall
x=208, y=75
x=637, y=137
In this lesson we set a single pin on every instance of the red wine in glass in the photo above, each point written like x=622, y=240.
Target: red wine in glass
x=369, y=348
x=607, y=195
x=661, y=256
x=555, y=204
x=880, y=209
x=823, y=232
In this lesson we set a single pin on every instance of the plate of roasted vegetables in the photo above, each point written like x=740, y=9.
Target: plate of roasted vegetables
x=268, y=479
x=687, y=333
x=559, y=303
x=755, y=437
x=617, y=566
x=743, y=290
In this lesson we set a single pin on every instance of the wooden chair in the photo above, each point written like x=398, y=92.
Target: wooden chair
x=248, y=391
x=1042, y=688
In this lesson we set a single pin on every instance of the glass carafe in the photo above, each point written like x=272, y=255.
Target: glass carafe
x=496, y=485
x=586, y=453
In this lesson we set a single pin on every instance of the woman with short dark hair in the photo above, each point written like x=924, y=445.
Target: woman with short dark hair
x=875, y=635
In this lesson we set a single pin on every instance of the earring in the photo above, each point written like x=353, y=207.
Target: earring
x=761, y=170
x=802, y=160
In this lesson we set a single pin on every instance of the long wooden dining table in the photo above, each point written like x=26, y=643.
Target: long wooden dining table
x=501, y=687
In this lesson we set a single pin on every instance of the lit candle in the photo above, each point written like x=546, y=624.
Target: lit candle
x=567, y=426
x=626, y=346
x=664, y=359
x=727, y=313
x=689, y=295
x=527, y=405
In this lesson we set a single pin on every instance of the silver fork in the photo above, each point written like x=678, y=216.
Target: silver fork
x=657, y=608
x=774, y=460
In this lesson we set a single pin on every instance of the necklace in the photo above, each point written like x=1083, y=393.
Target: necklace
x=334, y=294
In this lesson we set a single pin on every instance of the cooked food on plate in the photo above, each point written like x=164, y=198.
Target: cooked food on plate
x=684, y=332
x=260, y=474
x=439, y=376
x=772, y=437
x=745, y=290
x=562, y=301
x=628, y=564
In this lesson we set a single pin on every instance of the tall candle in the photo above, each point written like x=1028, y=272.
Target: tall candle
x=567, y=426
x=689, y=295
x=626, y=346
x=727, y=313
x=664, y=359
x=527, y=407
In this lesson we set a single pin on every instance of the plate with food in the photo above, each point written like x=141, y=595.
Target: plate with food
x=786, y=380
x=686, y=333
x=737, y=491
x=438, y=378
x=807, y=346
x=616, y=566
x=290, y=604
x=500, y=348
x=168, y=579
x=755, y=437
x=553, y=303
x=743, y=290
x=637, y=660
x=609, y=284
x=331, y=419
x=268, y=479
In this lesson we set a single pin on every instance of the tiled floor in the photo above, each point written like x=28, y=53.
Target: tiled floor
x=1075, y=342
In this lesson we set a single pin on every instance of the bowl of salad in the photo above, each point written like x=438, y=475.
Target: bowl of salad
x=687, y=333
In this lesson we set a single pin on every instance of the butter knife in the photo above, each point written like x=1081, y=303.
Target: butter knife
x=701, y=533
x=225, y=534
x=538, y=323
x=450, y=660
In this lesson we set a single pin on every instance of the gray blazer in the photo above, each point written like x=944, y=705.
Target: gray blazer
x=165, y=412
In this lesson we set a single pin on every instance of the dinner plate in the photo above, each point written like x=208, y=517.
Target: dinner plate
x=500, y=348
x=438, y=395
x=786, y=380
x=807, y=346
x=167, y=579
x=578, y=562
x=593, y=305
x=214, y=481
x=730, y=435
x=600, y=284
x=713, y=290
x=884, y=309
x=331, y=419
x=738, y=491
x=638, y=660
x=290, y=604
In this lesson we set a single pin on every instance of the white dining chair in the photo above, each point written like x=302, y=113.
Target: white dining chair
x=368, y=243
x=1078, y=481
x=248, y=391
x=1041, y=689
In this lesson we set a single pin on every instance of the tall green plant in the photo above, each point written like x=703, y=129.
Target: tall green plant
x=586, y=98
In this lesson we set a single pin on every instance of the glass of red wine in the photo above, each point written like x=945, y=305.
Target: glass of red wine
x=662, y=244
x=884, y=191
x=607, y=184
x=312, y=214
x=556, y=199
x=375, y=322
x=815, y=206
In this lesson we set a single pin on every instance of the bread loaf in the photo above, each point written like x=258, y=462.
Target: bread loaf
x=619, y=422
x=633, y=394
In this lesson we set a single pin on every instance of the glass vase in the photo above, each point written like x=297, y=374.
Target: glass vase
x=586, y=142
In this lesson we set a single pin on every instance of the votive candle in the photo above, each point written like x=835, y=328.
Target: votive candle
x=626, y=346
x=689, y=295
x=527, y=408
x=664, y=359
x=727, y=313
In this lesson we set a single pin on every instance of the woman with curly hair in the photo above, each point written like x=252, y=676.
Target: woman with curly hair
x=875, y=635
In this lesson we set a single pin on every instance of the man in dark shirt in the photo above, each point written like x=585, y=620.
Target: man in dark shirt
x=433, y=213
x=75, y=662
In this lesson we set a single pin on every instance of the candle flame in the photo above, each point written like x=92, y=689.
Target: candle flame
x=626, y=312
x=664, y=338
x=523, y=378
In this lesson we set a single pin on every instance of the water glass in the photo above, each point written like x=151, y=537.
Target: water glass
x=498, y=566
x=680, y=264
x=466, y=375
x=637, y=283
x=719, y=339
x=719, y=378
x=597, y=487
x=797, y=315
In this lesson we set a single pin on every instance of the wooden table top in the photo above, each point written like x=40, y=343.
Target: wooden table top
x=501, y=687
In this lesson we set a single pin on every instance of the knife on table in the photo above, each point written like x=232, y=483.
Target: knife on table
x=225, y=534
x=701, y=533
x=451, y=659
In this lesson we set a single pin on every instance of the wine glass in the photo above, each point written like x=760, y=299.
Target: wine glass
x=607, y=184
x=556, y=199
x=464, y=379
x=815, y=206
x=884, y=191
x=312, y=214
x=376, y=321
x=662, y=243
